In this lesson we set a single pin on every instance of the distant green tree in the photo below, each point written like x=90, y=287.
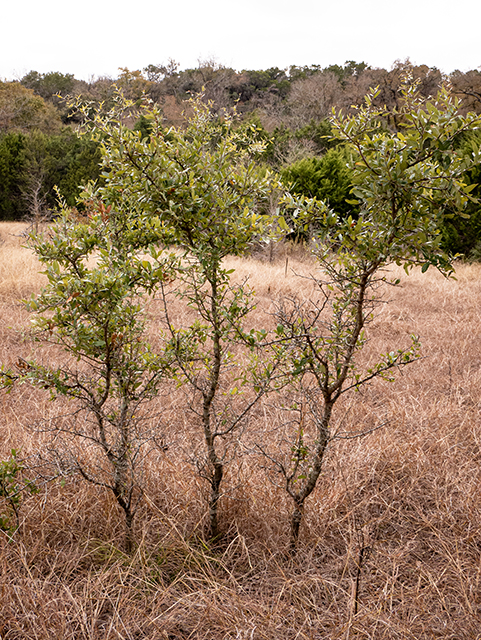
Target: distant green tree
x=49, y=85
x=53, y=87
x=144, y=126
x=13, y=168
x=320, y=133
x=70, y=163
x=347, y=70
x=251, y=89
x=299, y=73
x=32, y=165
x=462, y=235
x=327, y=178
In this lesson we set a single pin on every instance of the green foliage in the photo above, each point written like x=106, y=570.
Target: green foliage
x=299, y=73
x=327, y=178
x=462, y=235
x=200, y=181
x=32, y=160
x=144, y=126
x=199, y=188
x=49, y=85
x=93, y=312
x=91, y=309
x=405, y=182
x=22, y=110
x=13, y=175
x=53, y=87
x=12, y=488
x=342, y=72
x=274, y=144
x=252, y=83
x=318, y=132
x=348, y=70
x=66, y=162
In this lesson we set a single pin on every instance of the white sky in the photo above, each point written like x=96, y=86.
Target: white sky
x=96, y=37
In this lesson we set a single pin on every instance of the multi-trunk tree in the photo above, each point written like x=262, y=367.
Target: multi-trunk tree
x=196, y=188
x=211, y=200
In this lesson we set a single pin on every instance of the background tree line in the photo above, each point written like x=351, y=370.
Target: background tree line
x=290, y=108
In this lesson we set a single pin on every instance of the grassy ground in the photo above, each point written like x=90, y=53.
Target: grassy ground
x=398, y=512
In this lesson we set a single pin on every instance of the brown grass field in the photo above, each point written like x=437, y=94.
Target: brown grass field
x=405, y=499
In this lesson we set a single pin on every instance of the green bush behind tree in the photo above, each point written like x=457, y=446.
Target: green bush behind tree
x=326, y=178
x=39, y=162
x=462, y=235
x=329, y=178
x=12, y=174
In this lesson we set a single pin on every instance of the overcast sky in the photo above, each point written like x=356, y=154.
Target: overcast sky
x=93, y=38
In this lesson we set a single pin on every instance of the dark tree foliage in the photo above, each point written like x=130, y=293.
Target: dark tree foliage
x=462, y=235
x=43, y=162
x=348, y=70
x=299, y=73
x=75, y=161
x=64, y=161
x=12, y=175
x=49, y=85
x=251, y=83
x=327, y=178
x=144, y=126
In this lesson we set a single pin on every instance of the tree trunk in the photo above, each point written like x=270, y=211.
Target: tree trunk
x=129, y=536
x=215, y=483
x=296, y=519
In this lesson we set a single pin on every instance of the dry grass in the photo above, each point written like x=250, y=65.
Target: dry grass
x=407, y=494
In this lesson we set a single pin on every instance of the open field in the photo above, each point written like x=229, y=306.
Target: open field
x=398, y=511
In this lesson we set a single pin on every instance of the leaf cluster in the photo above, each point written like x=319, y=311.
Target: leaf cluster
x=200, y=181
x=12, y=489
x=406, y=181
